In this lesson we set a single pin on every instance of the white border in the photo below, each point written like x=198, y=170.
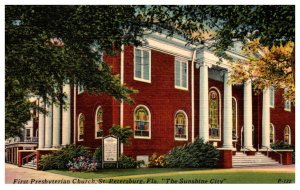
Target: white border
x=220, y=111
x=134, y=63
x=149, y=115
x=186, y=124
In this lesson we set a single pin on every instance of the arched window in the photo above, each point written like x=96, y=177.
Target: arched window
x=234, y=119
x=181, y=126
x=81, y=123
x=214, y=115
x=142, y=122
x=272, y=134
x=287, y=135
x=99, y=123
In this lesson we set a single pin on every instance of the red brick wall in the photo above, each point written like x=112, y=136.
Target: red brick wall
x=280, y=118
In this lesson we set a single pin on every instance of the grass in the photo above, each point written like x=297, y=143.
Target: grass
x=181, y=175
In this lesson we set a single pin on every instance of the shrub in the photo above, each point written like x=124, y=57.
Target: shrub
x=199, y=154
x=123, y=133
x=60, y=158
x=129, y=162
x=280, y=145
x=156, y=161
x=97, y=157
x=82, y=163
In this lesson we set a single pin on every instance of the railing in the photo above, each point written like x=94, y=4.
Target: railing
x=32, y=155
x=268, y=148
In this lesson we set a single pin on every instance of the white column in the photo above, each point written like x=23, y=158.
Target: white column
x=266, y=119
x=227, y=129
x=56, y=142
x=66, y=117
x=48, y=126
x=248, y=115
x=41, y=126
x=203, y=103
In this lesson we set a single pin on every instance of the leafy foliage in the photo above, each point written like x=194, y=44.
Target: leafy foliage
x=129, y=162
x=123, y=133
x=156, y=161
x=82, y=163
x=267, y=66
x=199, y=154
x=59, y=159
x=280, y=145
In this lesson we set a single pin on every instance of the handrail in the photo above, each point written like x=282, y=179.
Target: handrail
x=28, y=156
x=243, y=147
x=268, y=148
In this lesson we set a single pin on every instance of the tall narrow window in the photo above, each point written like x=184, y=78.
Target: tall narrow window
x=214, y=115
x=272, y=134
x=234, y=119
x=287, y=135
x=142, y=65
x=99, y=123
x=287, y=103
x=80, y=89
x=142, y=122
x=181, y=74
x=81, y=123
x=272, y=97
x=181, y=126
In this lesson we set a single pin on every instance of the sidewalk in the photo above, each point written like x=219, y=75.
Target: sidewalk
x=19, y=175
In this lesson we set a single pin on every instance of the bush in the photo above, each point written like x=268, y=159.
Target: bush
x=156, y=161
x=193, y=155
x=97, y=157
x=129, y=162
x=280, y=145
x=60, y=158
x=82, y=163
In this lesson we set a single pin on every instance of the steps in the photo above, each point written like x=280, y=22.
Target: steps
x=31, y=164
x=242, y=160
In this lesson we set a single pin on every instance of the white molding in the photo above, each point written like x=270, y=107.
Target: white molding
x=134, y=65
x=193, y=96
x=141, y=137
x=220, y=112
x=186, y=124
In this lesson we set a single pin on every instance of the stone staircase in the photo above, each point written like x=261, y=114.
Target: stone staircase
x=31, y=164
x=242, y=160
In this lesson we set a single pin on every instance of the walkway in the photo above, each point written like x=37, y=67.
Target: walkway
x=18, y=175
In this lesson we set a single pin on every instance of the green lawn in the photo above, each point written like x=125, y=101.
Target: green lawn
x=178, y=175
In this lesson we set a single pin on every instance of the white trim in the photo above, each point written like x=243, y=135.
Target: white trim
x=149, y=115
x=193, y=95
x=74, y=113
x=220, y=107
x=181, y=61
x=272, y=96
x=95, y=126
x=274, y=138
x=78, y=139
x=186, y=124
x=142, y=68
x=236, y=119
x=287, y=126
x=122, y=82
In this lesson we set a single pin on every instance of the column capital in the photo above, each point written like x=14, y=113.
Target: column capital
x=203, y=64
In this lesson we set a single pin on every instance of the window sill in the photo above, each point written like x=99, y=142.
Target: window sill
x=177, y=139
x=181, y=88
x=139, y=137
x=142, y=80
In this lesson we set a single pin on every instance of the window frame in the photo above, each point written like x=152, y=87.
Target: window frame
x=236, y=120
x=149, y=123
x=274, y=139
x=289, y=129
x=80, y=89
x=186, y=126
x=272, y=94
x=96, y=122
x=78, y=127
x=220, y=111
x=181, y=62
x=142, y=68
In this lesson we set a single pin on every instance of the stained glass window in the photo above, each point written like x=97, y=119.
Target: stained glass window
x=214, y=127
x=234, y=119
x=287, y=136
x=81, y=123
x=142, y=122
x=99, y=123
x=180, y=126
